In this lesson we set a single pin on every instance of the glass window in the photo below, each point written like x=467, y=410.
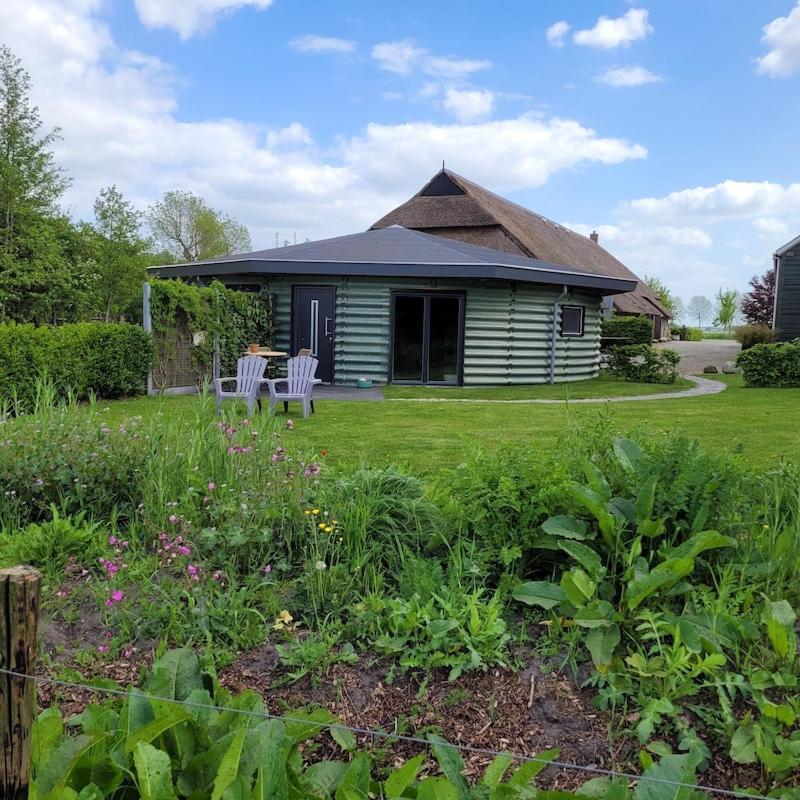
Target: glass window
x=409, y=325
x=445, y=331
x=572, y=320
x=427, y=346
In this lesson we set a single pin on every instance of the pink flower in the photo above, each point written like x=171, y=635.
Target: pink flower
x=116, y=597
x=216, y=576
x=174, y=519
x=192, y=572
x=245, y=422
x=212, y=486
x=267, y=569
x=103, y=648
x=311, y=471
x=184, y=550
x=62, y=592
x=112, y=540
x=110, y=567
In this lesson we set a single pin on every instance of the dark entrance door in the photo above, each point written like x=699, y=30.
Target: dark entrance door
x=427, y=337
x=313, y=322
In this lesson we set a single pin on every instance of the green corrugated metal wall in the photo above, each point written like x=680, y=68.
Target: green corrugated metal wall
x=506, y=333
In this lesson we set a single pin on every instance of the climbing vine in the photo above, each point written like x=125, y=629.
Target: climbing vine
x=204, y=314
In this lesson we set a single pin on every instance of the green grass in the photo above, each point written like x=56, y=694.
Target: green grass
x=762, y=423
x=604, y=386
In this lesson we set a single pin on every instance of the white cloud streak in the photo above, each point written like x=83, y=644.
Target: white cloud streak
x=468, y=105
x=404, y=58
x=312, y=43
x=782, y=37
x=609, y=33
x=557, y=32
x=628, y=77
x=189, y=17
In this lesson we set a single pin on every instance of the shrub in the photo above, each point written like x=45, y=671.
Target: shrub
x=692, y=335
x=644, y=364
x=771, y=364
x=636, y=330
x=750, y=335
x=710, y=370
x=109, y=360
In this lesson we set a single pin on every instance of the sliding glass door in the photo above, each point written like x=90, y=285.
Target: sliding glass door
x=427, y=337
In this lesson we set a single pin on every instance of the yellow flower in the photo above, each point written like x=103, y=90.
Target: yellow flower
x=283, y=620
x=328, y=528
x=334, y=522
x=340, y=539
x=321, y=526
x=315, y=511
x=307, y=512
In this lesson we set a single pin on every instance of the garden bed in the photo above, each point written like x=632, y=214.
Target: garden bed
x=628, y=600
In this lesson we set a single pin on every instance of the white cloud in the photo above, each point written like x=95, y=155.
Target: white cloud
x=725, y=201
x=189, y=17
x=770, y=228
x=628, y=76
x=118, y=113
x=404, y=57
x=557, y=32
x=609, y=33
x=311, y=43
x=468, y=105
x=782, y=37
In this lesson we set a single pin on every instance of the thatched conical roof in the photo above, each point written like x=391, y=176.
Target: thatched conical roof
x=452, y=206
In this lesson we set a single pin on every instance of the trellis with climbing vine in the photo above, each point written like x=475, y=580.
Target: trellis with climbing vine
x=189, y=321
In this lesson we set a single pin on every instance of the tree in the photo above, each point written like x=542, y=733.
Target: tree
x=758, y=305
x=727, y=306
x=119, y=253
x=34, y=272
x=187, y=227
x=699, y=308
x=671, y=302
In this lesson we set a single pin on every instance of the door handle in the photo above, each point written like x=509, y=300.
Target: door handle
x=327, y=323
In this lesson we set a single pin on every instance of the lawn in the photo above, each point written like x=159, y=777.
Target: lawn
x=428, y=436
x=603, y=386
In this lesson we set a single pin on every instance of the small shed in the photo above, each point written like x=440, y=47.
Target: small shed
x=397, y=305
x=451, y=206
x=786, y=320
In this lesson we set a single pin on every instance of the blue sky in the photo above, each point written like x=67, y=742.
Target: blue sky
x=670, y=126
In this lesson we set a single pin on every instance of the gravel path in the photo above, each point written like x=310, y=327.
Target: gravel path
x=703, y=386
x=709, y=352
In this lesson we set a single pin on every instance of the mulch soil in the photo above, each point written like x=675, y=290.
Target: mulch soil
x=524, y=712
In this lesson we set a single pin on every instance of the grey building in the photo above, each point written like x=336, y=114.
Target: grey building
x=786, y=320
x=402, y=306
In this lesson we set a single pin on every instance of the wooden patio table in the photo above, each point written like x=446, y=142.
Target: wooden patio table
x=266, y=353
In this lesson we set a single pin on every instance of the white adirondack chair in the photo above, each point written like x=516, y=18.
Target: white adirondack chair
x=249, y=377
x=297, y=385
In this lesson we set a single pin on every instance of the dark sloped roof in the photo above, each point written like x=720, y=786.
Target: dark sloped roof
x=451, y=201
x=395, y=252
x=788, y=246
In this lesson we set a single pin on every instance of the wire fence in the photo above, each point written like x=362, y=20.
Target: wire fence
x=584, y=768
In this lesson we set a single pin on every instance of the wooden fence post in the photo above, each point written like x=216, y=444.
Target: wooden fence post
x=19, y=613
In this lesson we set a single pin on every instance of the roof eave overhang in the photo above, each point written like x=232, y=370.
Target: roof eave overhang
x=788, y=246
x=502, y=272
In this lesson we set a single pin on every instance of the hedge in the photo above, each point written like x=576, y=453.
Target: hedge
x=108, y=359
x=750, y=335
x=771, y=364
x=635, y=330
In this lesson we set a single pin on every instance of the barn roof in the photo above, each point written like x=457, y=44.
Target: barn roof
x=450, y=201
x=395, y=252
